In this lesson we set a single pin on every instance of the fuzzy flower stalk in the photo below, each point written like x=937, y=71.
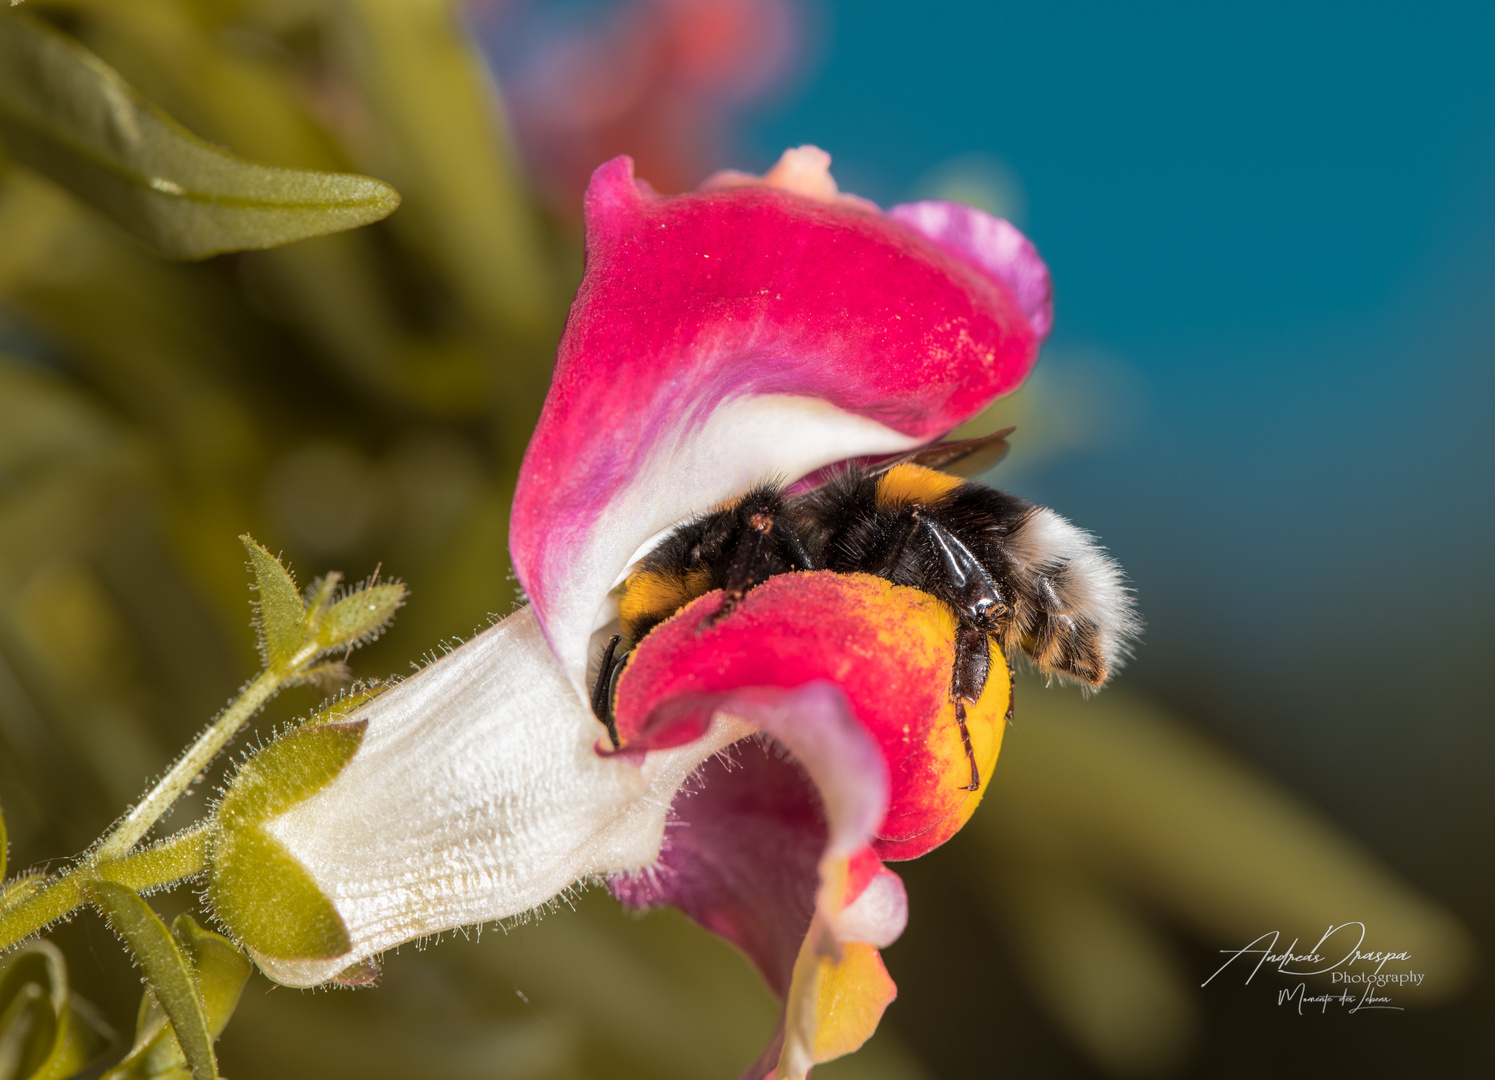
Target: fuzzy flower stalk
x=769, y=750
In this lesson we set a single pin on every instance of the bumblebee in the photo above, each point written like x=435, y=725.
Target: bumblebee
x=732, y=549
x=1006, y=568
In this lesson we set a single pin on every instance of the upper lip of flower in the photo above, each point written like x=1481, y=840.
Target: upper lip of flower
x=745, y=332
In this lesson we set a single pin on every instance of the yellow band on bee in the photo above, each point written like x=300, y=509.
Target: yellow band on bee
x=652, y=595
x=905, y=484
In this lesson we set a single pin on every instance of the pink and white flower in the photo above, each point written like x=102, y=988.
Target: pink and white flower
x=774, y=760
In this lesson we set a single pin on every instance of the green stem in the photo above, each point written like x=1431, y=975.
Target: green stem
x=185, y=854
x=166, y=863
x=44, y=907
x=144, y=814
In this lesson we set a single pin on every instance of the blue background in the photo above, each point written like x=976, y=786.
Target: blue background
x=1280, y=220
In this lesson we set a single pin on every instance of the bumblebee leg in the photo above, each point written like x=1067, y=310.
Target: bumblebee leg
x=885, y=561
x=964, y=583
x=754, y=560
x=965, y=741
x=745, y=571
x=794, y=549
x=602, y=693
x=967, y=680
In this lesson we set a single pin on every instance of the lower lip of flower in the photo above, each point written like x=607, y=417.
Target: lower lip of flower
x=777, y=844
x=889, y=649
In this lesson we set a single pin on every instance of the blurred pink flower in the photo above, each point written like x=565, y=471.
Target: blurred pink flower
x=657, y=79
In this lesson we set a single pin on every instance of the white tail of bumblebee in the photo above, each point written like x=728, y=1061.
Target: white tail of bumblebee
x=1074, y=613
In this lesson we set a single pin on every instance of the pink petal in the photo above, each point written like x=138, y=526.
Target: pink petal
x=748, y=832
x=722, y=338
x=992, y=245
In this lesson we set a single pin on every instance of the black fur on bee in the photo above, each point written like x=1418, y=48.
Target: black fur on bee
x=734, y=548
x=1007, y=569
x=1044, y=588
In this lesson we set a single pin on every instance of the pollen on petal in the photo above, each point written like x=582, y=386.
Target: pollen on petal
x=994, y=246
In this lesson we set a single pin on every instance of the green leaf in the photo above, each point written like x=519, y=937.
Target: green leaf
x=46, y=1032
x=155, y=1052
x=288, y=771
x=282, y=616
x=257, y=888
x=270, y=901
x=165, y=968
x=28, y=1018
x=343, y=707
x=319, y=596
x=358, y=618
x=67, y=114
x=221, y=968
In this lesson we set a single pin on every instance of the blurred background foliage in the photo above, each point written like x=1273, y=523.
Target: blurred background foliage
x=364, y=398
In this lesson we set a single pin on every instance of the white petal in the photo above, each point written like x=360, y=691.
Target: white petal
x=879, y=915
x=476, y=795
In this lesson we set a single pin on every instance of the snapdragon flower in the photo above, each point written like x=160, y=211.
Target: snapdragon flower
x=771, y=761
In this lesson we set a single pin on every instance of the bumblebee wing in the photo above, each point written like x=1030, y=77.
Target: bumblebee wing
x=963, y=457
